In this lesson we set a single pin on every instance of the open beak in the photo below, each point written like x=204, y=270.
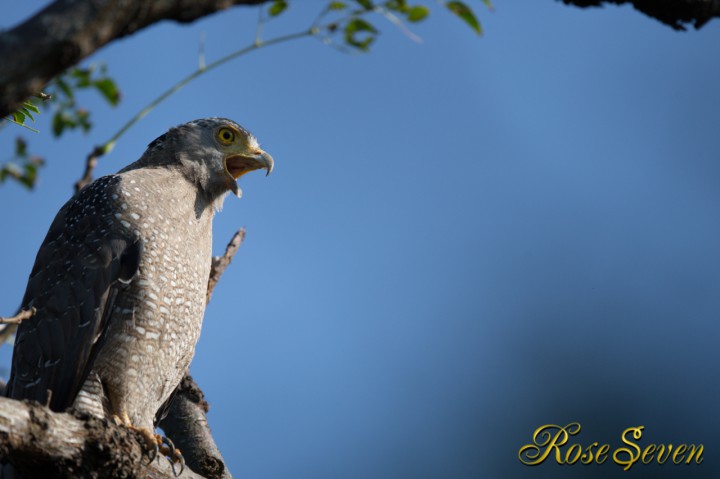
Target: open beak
x=238, y=165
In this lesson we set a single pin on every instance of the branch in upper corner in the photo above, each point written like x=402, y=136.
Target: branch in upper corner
x=67, y=31
x=20, y=317
x=675, y=13
x=220, y=263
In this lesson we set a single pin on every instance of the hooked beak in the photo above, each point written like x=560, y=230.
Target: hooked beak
x=238, y=165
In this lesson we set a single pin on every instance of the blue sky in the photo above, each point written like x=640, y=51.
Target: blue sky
x=463, y=239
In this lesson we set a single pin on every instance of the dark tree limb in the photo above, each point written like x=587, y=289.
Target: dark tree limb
x=67, y=31
x=186, y=424
x=41, y=443
x=675, y=13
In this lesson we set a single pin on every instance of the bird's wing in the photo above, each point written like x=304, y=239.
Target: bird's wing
x=83, y=264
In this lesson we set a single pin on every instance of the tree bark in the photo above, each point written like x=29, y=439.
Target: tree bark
x=67, y=31
x=41, y=443
x=675, y=13
x=187, y=425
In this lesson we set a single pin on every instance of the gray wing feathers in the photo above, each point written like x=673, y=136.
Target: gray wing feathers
x=81, y=267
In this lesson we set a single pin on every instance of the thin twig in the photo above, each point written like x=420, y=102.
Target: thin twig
x=90, y=164
x=100, y=151
x=220, y=263
x=20, y=317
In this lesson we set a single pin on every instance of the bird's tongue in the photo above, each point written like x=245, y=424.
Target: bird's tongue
x=239, y=165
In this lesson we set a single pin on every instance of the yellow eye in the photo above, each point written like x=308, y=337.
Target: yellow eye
x=226, y=136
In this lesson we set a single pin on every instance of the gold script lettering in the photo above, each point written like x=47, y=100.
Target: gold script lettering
x=631, y=458
x=544, y=442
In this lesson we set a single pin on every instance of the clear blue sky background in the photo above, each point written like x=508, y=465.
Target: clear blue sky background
x=463, y=240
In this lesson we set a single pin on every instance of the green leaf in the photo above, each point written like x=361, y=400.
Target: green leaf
x=108, y=89
x=19, y=117
x=58, y=124
x=20, y=147
x=64, y=87
x=489, y=4
x=466, y=14
x=417, y=13
x=366, y=4
x=277, y=7
x=337, y=6
x=82, y=77
x=29, y=105
x=358, y=25
x=27, y=113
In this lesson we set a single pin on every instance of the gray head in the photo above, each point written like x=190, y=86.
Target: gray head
x=212, y=153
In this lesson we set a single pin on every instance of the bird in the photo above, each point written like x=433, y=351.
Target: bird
x=119, y=284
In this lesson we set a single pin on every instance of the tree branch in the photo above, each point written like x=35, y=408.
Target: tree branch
x=67, y=31
x=187, y=425
x=675, y=13
x=220, y=263
x=41, y=443
x=19, y=318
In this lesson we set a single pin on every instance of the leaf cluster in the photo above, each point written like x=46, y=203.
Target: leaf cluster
x=60, y=98
x=23, y=167
x=353, y=22
x=68, y=115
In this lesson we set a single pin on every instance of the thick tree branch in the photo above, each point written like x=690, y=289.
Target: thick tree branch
x=67, y=31
x=675, y=13
x=42, y=443
x=186, y=424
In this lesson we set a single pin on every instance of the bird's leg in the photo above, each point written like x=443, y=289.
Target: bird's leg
x=155, y=443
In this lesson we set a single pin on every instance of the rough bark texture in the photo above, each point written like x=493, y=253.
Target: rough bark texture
x=187, y=425
x=41, y=443
x=67, y=31
x=675, y=13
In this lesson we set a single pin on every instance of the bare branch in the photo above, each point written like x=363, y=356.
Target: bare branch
x=41, y=443
x=186, y=424
x=67, y=31
x=220, y=263
x=20, y=317
x=675, y=13
x=90, y=164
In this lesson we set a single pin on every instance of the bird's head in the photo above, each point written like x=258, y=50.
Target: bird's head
x=212, y=153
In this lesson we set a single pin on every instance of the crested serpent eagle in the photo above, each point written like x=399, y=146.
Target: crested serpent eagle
x=119, y=283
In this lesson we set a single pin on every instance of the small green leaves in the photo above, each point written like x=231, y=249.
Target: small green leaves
x=277, y=7
x=26, y=111
x=466, y=14
x=366, y=4
x=366, y=30
x=68, y=114
x=417, y=13
x=108, y=89
x=337, y=6
x=23, y=168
